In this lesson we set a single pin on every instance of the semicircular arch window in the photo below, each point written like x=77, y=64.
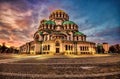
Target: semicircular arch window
x=57, y=44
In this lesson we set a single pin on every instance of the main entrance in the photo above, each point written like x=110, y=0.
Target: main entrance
x=57, y=50
x=57, y=44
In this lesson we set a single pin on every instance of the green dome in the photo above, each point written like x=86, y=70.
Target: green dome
x=68, y=22
x=40, y=32
x=49, y=22
x=78, y=33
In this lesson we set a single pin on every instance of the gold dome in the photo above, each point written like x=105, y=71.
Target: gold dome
x=58, y=11
x=59, y=14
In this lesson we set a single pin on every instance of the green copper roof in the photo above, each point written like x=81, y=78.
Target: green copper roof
x=68, y=22
x=40, y=32
x=49, y=22
x=78, y=33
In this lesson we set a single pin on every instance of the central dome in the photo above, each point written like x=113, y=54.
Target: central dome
x=59, y=14
x=58, y=11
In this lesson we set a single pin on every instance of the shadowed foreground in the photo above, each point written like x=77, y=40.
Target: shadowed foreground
x=107, y=67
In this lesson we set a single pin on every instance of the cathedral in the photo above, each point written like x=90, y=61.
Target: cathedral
x=58, y=36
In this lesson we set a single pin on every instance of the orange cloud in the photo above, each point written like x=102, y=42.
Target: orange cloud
x=19, y=20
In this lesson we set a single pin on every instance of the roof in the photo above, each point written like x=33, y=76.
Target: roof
x=49, y=22
x=58, y=11
x=78, y=33
x=58, y=33
x=40, y=32
x=68, y=22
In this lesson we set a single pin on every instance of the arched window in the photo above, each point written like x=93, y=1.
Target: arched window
x=69, y=47
x=82, y=38
x=65, y=26
x=69, y=26
x=37, y=37
x=57, y=44
x=65, y=47
x=77, y=38
x=48, y=47
x=80, y=48
x=60, y=14
x=57, y=14
x=45, y=47
x=83, y=48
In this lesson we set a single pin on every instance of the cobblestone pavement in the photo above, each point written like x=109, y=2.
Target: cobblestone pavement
x=60, y=67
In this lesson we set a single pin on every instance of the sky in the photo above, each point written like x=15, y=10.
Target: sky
x=98, y=19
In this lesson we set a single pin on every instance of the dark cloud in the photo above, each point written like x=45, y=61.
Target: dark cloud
x=114, y=31
x=110, y=35
x=17, y=5
x=4, y=32
x=5, y=26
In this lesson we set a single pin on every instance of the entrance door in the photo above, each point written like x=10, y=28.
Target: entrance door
x=57, y=50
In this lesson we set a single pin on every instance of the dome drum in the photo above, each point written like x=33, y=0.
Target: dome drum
x=58, y=14
x=70, y=26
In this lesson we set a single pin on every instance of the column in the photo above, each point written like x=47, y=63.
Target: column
x=48, y=37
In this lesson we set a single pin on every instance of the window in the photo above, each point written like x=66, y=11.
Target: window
x=77, y=38
x=88, y=48
x=62, y=37
x=83, y=48
x=81, y=38
x=43, y=47
x=80, y=48
x=65, y=47
x=57, y=44
x=48, y=47
x=36, y=37
x=69, y=47
x=70, y=26
x=60, y=15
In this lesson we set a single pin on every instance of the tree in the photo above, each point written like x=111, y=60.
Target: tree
x=115, y=48
x=100, y=48
x=3, y=48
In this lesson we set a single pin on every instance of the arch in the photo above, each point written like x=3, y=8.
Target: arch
x=69, y=47
x=37, y=37
x=69, y=26
x=48, y=47
x=66, y=47
x=60, y=14
x=57, y=44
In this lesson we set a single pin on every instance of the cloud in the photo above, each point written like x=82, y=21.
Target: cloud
x=19, y=20
x=106, y=35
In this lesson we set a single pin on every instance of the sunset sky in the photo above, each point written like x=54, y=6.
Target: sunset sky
x=98, y=19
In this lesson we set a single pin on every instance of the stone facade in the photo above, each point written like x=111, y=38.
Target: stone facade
x=58, y=36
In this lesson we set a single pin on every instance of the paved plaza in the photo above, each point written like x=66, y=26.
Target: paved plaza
x=59, y=67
